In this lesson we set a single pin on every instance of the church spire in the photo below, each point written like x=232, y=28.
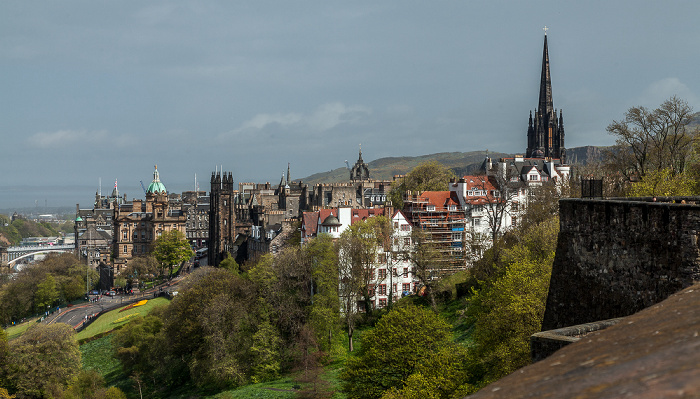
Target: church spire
x=546, y=103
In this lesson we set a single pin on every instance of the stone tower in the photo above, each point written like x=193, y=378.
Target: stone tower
x=545, y=133
x=222, y=217
x=359, y=172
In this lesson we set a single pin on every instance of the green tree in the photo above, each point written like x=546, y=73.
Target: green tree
x=230, y=264
x=324, y=316
x=43, y=358
x=266, y=353
x=357, y=253
x=428, y=176
x=404, y=342
x=171, y=249
x=46, y=294
x=508, y=308
x=663, y=183
x=88, y=384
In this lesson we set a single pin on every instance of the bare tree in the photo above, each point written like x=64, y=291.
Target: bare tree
x=653, y=140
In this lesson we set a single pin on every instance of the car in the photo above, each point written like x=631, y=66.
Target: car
x=112, y=293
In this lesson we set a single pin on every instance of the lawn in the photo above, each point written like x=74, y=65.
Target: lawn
x=113, y=319
x=19, y=329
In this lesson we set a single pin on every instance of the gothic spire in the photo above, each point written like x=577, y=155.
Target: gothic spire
x=546, y=103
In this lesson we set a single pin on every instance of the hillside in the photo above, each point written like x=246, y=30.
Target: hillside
x=461, y=162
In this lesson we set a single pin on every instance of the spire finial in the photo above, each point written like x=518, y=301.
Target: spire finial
x=545, y=30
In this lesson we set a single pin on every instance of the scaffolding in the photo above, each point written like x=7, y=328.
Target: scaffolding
x=445, y=228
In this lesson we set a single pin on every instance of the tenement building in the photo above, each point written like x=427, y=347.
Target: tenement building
x=138, y=224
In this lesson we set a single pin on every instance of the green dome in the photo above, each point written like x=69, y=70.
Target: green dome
x=156, y=186
x=78, y=219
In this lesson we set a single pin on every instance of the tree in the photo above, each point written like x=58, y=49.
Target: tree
x=663, y=183
x=653, y=140
x=43, y=358
x=46, y=294
x=357, y=254
x=427, y=260
x=171, y=249
x=428, y=176
x=405, y=341
x=508, y=308
x=324, y=316
x=142, y=268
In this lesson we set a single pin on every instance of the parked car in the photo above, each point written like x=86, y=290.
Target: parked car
x=112, y=293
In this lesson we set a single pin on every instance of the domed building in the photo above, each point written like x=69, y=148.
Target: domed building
x=138, y=224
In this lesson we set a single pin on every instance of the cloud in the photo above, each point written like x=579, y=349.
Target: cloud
x=324, y=118
x=65, y=138
x=663, y=89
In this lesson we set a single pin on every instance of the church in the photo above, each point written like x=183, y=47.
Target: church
x=545, y=157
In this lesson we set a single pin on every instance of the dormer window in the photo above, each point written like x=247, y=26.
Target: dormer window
x=430, y=208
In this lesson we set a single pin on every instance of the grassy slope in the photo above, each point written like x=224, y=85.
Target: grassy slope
x=110, y=320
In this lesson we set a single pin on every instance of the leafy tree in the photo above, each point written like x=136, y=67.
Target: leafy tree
x=229, y=263
x=404, y=342
x=4, y=358
x=265, y=353
x=663, y=183
x=88, y=384
x=357, y=253
x=46, y=294
x=43, y=358
x=324, y=315
x=428, y=176
x=172, y=248
x=508, y=308
x=143, y=268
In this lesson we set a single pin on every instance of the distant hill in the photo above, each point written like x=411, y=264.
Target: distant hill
x=462, y=163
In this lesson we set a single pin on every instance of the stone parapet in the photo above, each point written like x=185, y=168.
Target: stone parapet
x=616, y=257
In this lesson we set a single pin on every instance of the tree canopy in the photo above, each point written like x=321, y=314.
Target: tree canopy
x=408, y=342
x=428, y=176
x=171, y=249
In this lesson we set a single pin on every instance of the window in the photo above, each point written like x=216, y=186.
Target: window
x=477, y=222
x=125, y=249
x=430, y=208
x=515, y=221
x=405, y=227
x=533, y=177
x=382, y=274
x=407, y=241
x=396, y=225
x=370, y=290
x=406, y=287
x=456, y=236
x=453, y=207
x=382, y=302
x=382, y=289
x=405, y=272
x=125, y=235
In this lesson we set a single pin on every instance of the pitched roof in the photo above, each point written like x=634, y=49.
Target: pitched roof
x=440, y=198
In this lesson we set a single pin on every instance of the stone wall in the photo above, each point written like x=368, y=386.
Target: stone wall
x=616, y=257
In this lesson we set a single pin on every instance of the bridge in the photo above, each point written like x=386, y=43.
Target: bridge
x=15, y=254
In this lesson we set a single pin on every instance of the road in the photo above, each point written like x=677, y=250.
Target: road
x=78, y=314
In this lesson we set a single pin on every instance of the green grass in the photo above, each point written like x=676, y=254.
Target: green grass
x=19, y=329
x=108, y=321
x=98, y=355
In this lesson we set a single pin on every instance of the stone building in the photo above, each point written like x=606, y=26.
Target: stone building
x=222, y=217
x=138, y=224
x=94, y=228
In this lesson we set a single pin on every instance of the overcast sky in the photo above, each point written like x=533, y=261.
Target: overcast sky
x=94, y=90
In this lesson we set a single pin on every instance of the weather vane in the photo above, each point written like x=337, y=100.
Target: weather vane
x=545, y=30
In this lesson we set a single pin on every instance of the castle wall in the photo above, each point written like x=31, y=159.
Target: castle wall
x=616, y=257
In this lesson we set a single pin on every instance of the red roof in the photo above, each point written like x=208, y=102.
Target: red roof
x=439, y=198
x=362, y=214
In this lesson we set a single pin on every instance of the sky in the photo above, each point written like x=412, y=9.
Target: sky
x=93, y=92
